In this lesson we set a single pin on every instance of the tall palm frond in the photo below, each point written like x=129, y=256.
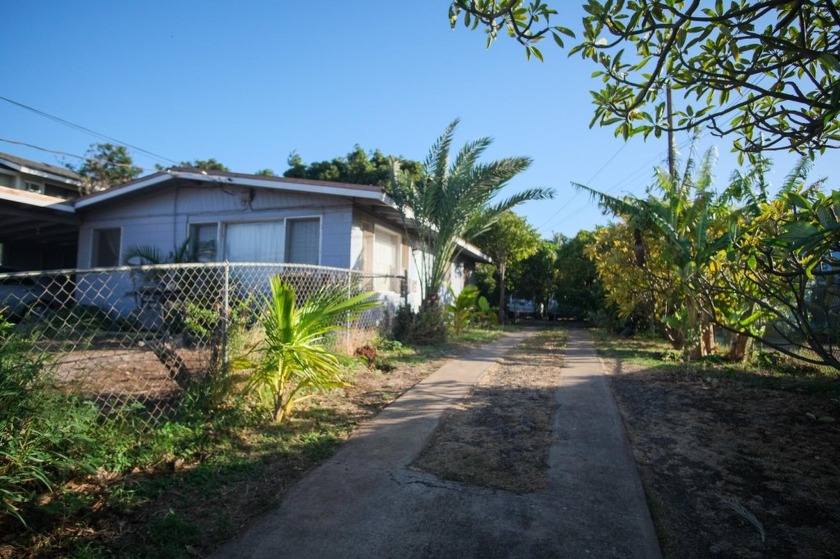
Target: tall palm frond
x=796, y=178
x=152, y=255
x=450, y=201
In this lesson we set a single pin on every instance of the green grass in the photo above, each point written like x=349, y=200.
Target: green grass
x=766, y=369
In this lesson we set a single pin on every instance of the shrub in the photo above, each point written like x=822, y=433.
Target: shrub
x=403, y=323
x=463, y=308
x=429, y=326
x=42, y=432
x=293, y=357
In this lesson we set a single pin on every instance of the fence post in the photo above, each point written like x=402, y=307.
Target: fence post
x=225, y=312
x=347, y=341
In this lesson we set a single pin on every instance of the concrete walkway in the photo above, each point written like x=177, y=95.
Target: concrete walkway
x=365, y=503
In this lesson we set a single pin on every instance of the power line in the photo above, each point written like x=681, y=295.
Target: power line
x=627, y=179
x=17, y=143
x=632, y=176
x=82, y=157
x=84, y=129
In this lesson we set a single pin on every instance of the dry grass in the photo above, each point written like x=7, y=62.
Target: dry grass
x=499, y=437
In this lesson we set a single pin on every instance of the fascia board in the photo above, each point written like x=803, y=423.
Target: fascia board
x=36, y=200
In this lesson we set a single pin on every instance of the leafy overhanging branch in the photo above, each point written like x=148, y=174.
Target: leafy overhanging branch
x=766, y=73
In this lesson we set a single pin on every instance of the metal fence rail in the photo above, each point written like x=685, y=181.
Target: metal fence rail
x=138, y=336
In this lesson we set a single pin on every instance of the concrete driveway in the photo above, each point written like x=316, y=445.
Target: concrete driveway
x=365, y=502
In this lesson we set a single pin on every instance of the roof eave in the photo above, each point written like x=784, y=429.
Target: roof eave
x=310, y=187
x=39, y=173
x=35, y=200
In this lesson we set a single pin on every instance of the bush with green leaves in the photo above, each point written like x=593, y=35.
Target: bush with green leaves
x=462, y=309
x=43, y=432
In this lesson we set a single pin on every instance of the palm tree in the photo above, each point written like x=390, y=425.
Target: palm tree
x=454, y=201
x=294, y=360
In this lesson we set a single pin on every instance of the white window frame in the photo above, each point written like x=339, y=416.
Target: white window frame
x=39, y=187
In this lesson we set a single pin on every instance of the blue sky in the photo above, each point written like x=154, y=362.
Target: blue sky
x=249, y=82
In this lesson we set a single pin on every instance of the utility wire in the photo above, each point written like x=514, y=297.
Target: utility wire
x=86, y=130
x=82, y=157
x=627, y=179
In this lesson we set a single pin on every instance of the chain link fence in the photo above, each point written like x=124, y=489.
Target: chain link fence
x=139, y=336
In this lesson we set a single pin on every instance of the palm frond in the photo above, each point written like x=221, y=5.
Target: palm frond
x=143, y=255
x=797, y=176
x=705, y=174
x=436, y=163
x=611, y=204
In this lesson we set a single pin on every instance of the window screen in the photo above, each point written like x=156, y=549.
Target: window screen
x=254, y=242
x=303, y=240
x=106, y=248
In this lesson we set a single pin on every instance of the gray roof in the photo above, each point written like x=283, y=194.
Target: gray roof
x=21, y=164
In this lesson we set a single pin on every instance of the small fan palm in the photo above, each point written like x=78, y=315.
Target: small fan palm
x=295, y=361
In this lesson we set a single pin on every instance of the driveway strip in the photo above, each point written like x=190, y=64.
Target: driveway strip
x=365, y=502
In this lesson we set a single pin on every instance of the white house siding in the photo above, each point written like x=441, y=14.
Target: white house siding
x=162, y=219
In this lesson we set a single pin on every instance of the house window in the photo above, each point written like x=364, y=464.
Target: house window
x=7, y=180
x=254, y=242
x=36, y=187
x=106, y=248
x=203, y=241
x=303, y=240
x=386, y=258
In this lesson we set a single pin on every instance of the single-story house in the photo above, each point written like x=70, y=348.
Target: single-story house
x=237, y=217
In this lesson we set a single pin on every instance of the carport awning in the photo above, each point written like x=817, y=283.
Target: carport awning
x=26, y=217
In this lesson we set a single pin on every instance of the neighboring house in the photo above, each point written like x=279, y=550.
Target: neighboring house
x=248, y=218
x=30, y=176
x=38, y=227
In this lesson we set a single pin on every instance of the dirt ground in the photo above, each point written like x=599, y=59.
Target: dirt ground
x=734, y=467
x=499, y=437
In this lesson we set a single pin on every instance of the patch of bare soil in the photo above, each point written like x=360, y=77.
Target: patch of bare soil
x=499, y=437
x=732, y=467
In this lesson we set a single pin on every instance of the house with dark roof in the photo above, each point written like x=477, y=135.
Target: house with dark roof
x=18, y=173
x=39, y=225
x=225, y=217
x=233, y=217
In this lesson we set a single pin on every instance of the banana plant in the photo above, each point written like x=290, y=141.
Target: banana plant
x=678, y=211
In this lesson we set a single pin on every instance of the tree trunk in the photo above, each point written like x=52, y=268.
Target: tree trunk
x=675, y=337
x=696, y=331
x=709, y=338
x=740, y=348
x=502, y=315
